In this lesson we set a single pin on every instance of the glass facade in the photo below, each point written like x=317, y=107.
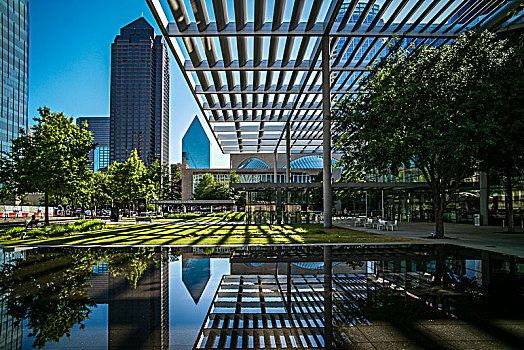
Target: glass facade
x=366, y=49
x=99, y=127
x=196, y=148
x=309, y=162
x=15, y=70
x=253, y=163
x=139, y=94
x=253, y=178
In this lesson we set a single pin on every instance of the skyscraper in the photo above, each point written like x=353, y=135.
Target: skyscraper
x=355, y=47
x=15, y=70
x=99, y=127
x=196, y=148
x=139, y=94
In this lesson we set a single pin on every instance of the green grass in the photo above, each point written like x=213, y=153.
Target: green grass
x=158, y=234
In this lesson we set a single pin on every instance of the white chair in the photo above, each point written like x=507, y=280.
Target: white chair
x=368, y=222
x=392, y=225
x=381, y=224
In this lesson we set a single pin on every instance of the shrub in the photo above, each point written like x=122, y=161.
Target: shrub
x=90, y=225
x=183, y=216
x=37, y=233
x=15, y=232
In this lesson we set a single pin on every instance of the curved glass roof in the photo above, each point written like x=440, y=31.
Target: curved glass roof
x=309, y=162
x=253, y=163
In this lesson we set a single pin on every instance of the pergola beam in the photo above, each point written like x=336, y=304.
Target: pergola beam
x=263, y=65
x=317, y=30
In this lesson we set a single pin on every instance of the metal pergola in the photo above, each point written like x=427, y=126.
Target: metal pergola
x=265, y=73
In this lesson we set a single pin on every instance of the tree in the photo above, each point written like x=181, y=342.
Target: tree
x=52, y=159
x=428, y=107
x=208, y=188
x=175, y=182
x=167, y=180
x=505, y=156
x=130, y=180
x=350, y=173
x=238, y=196
x=100, y=194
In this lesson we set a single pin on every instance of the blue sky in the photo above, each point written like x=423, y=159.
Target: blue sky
x=70, y=63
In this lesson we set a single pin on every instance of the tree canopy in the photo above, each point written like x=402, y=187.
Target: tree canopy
x=208, y=188
x=430, y=107
x=130, y=180
x=51, y=159
x=166, y=179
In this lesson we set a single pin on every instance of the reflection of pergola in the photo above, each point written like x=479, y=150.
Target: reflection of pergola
x=287, y=309
x=256, y=93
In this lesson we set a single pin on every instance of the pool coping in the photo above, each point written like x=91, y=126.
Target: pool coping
x=215, y=245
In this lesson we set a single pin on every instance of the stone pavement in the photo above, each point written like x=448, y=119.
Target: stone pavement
x=492, y=238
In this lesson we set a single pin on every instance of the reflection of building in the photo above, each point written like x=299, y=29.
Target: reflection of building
x=196, y=272
x=99, y=127
x=14, y=37
x=139, y=94
x=137, y=317
x=11, y=332
x=196, y=147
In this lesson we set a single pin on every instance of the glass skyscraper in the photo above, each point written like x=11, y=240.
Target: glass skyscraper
x=15, y=70
x=196, y=148
x=356, y=41
x=139, y=94
x=99, y=127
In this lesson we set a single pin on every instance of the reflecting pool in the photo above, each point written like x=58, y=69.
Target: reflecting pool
x=362, y=297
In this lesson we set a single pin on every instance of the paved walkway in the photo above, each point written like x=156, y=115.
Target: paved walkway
x=491, y=238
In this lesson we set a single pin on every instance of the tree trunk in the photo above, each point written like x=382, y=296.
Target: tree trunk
x=46, y=210
x=438, y=203
x=508, y=203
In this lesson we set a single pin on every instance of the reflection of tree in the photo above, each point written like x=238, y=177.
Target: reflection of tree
x=131, y=264
x=48, y=290
x=48, y=287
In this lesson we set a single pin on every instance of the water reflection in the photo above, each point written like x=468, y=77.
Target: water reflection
x=262, y=297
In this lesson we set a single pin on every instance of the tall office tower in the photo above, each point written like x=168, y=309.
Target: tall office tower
x=139, y=94
x=356, y=48
x=196, y=148
x=138, y=315
x=99, y=127
x=15, y=70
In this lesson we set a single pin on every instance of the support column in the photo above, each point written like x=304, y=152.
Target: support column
x=275, y=174
x=326, y=132
x=383, y=218
x=288, y=153
x=484, y=202
x=278, y=192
